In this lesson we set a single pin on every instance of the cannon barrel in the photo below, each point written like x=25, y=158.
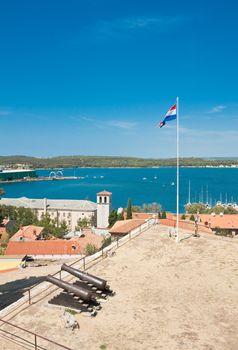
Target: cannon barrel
x=80, y=292
x=95, y=281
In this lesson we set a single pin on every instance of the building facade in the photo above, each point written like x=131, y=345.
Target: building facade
x=60, y=210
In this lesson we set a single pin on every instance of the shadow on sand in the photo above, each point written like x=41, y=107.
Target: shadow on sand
x=10, y=292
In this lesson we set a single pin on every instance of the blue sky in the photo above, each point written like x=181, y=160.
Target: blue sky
x=95, y=77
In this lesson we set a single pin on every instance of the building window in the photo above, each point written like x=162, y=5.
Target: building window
x=100, y=199
x=69, y=215
x=63, y=215
x=105, y=199
x=82, y=214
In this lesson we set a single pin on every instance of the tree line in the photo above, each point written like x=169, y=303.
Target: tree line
x=203, y=209
x=108, y=161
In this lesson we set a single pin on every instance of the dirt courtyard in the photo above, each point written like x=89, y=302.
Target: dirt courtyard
x=168, y=296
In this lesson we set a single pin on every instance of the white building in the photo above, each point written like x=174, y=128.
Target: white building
x=58, y=209
x=104, y=207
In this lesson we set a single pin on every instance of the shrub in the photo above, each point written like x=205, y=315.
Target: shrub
x=106, y=242
x=183, y=217
x=90, y=249
x=163, y=215
x=103, y=347
x=192, y=218
x=220, y=232
x=72, y=312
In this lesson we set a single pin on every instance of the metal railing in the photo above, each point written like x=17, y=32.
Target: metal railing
x=36, y=337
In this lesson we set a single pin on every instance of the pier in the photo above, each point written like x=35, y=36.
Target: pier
x=41, y=178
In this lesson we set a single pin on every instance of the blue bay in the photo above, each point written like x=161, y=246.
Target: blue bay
x=142, y=185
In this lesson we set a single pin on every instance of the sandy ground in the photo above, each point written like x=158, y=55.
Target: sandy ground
x=169, y=296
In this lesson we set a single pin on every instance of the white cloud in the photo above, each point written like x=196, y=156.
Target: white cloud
x=217, y=109
x=121, y=124
x=87, y=119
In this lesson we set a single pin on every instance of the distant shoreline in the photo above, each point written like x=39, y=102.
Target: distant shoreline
x=67, y=162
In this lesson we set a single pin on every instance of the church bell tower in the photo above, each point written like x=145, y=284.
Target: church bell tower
x=104, y=207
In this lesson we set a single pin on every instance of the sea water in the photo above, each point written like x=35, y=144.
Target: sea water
x=142, y=185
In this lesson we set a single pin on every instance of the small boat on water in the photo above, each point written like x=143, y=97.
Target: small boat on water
x=144, y=178
x=172, y=184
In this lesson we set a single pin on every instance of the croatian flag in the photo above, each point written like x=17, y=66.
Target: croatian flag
x=170, y=115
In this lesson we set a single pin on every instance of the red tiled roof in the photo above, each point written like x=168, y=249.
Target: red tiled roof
x=89, y=238
x=47, y=247
x=104, y=193
x=143, y=216
x=226, y=221
x=27, y=232
x=125, y=226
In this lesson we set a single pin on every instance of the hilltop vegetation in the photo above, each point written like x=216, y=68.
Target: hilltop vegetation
x=106, y=161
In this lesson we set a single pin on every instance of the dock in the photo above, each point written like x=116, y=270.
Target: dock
x=41, y=178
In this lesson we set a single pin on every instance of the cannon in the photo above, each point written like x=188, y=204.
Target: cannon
x=95, y=281
x=80, y=292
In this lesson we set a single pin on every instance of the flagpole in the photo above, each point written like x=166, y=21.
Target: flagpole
x=177, y=195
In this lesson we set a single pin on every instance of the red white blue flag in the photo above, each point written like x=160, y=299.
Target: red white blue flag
x=170, y=115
